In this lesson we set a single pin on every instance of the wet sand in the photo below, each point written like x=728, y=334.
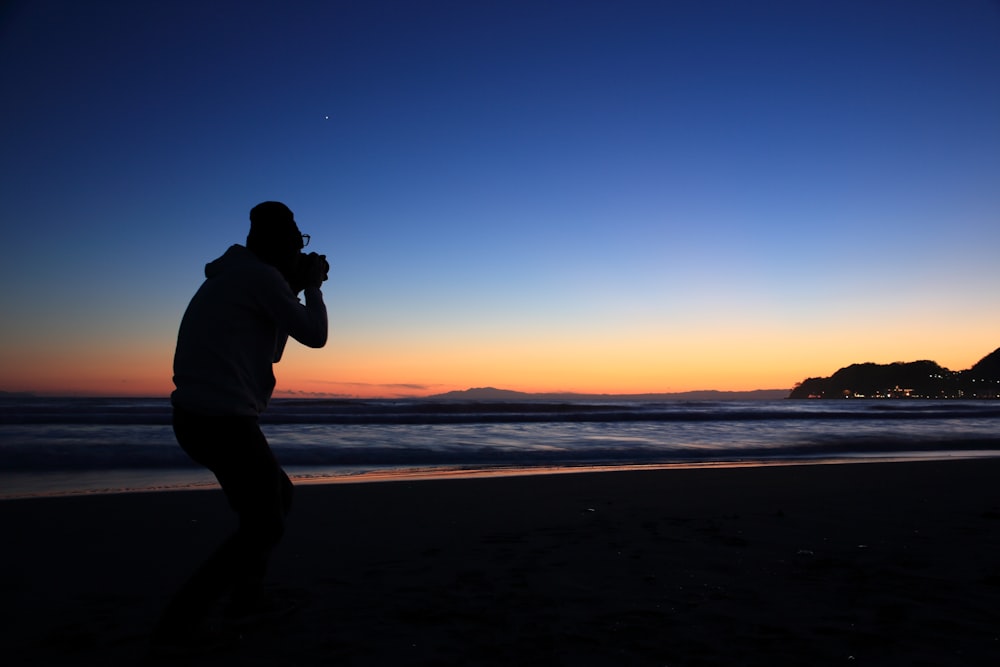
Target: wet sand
x=875, y=564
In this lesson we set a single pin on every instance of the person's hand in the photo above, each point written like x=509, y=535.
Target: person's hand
x=315, y=270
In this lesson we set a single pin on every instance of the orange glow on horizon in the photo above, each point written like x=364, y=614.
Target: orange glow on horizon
x=600, y=363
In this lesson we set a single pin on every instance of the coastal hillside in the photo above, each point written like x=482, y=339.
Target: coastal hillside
x=915, y=379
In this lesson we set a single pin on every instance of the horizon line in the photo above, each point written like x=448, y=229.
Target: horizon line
x=305, y=395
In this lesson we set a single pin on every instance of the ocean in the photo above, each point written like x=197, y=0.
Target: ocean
x=68, y=446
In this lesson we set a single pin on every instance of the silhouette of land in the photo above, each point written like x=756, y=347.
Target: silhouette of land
x=493, y=394
x=915, y=379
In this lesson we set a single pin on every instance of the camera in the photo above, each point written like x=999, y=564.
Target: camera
x=309, y=270
x=316, y=263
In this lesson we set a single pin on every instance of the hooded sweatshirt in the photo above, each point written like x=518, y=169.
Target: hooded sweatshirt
x=234, y=329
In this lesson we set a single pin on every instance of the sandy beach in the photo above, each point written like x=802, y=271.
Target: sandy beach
x=875, y=564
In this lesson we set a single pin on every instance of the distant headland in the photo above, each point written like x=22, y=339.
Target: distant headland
x=915, y=379
x=493, y=394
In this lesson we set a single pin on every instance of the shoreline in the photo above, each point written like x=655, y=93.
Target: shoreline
x=74, y=484
x=887, y=564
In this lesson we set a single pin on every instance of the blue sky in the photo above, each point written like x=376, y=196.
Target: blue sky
x=591, y=196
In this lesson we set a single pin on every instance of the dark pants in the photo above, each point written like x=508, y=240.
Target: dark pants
x=259, y=492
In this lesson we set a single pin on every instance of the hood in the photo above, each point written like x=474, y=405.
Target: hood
x=235, y=256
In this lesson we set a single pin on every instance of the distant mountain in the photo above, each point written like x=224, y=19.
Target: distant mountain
x=482, y=394
x=915, y=379
x=494, y=394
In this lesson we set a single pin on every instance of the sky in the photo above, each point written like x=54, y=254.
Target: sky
x=542, y=195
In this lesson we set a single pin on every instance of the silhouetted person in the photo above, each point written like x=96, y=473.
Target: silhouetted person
x=234, y=329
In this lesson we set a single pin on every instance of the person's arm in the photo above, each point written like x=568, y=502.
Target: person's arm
x=314, y=331
x=305, y=323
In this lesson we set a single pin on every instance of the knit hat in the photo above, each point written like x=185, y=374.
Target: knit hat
x=273, y=232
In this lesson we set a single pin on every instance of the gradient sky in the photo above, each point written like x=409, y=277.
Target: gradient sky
x=594, y=196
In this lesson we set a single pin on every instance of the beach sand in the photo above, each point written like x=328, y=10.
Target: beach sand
x=865, y=564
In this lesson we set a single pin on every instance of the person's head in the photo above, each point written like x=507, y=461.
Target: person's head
x=274, y=237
